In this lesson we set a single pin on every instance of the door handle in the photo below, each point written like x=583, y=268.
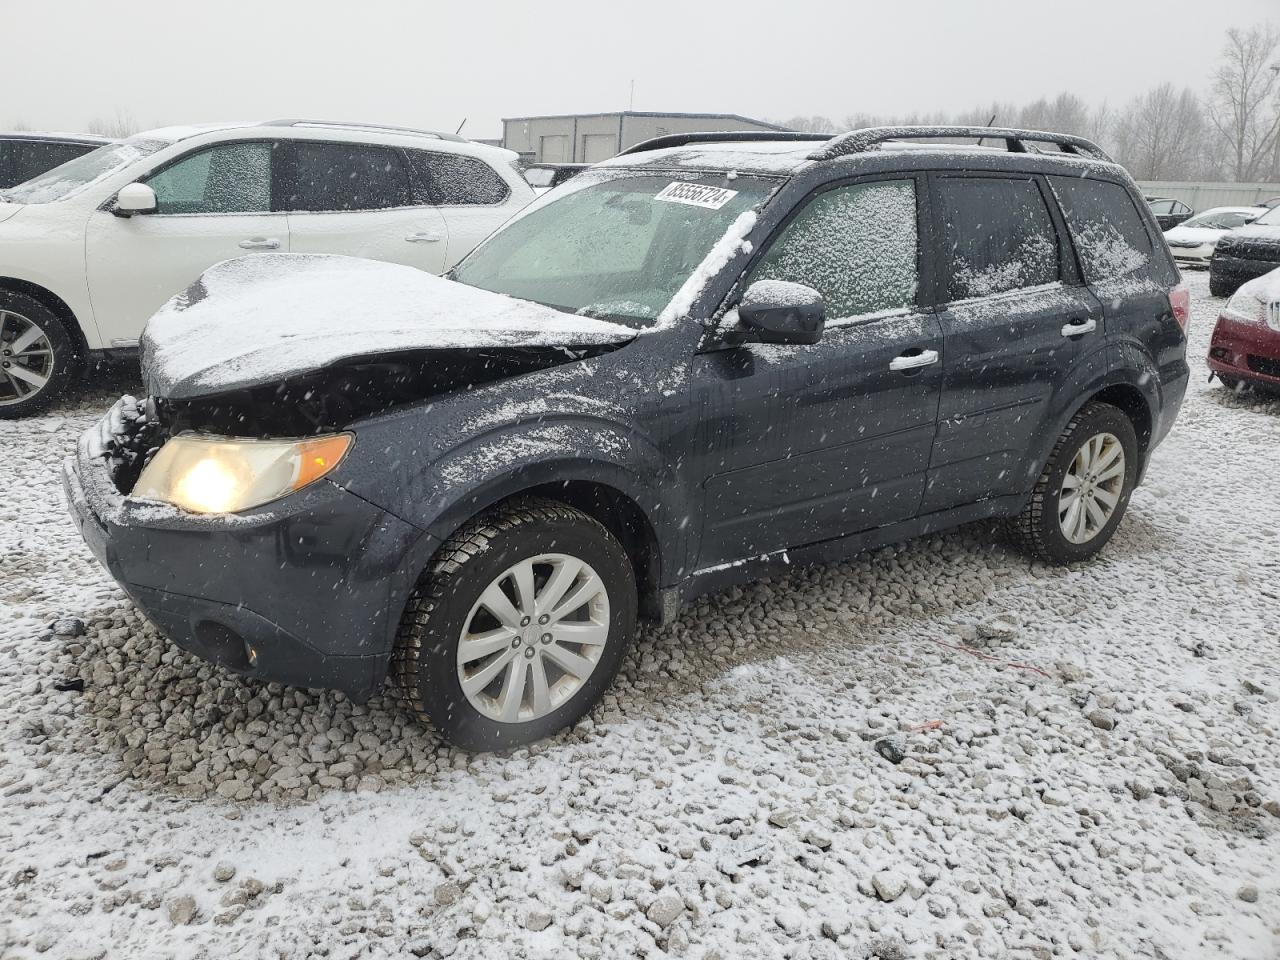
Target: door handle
x=260, y=243
x=1078, y=327
x=424, y=238
x=914, y=360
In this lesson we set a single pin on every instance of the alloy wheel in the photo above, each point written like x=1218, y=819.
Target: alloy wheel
x=26, y=358
x=1092, y=488
x=533, y=638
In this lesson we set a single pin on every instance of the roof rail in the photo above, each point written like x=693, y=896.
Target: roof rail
x=721, y=136
x=345, y=125
x=860, y=141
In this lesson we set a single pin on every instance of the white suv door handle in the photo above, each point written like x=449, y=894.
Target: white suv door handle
x=1077, y=327
x=424, y=238
x=921, y=359
x=260, y=243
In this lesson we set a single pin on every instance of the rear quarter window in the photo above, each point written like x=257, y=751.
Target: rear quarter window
x=452, y=179
x=1110, y=236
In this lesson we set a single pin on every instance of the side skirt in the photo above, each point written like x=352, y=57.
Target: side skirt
x=720, y=576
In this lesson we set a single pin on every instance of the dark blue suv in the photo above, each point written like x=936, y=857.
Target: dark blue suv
x=708, y=358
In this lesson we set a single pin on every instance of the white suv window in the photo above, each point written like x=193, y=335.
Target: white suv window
x=228, y=178
x=452, y=179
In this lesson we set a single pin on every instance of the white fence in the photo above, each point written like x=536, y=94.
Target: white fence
x=1203, y=195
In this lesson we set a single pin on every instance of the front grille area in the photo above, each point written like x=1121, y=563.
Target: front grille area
x=1267, y=366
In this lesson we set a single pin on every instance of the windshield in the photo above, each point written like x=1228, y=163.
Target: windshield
x=1272, y=216
x=618, y=248
x=64, y=180
x=1220, y=220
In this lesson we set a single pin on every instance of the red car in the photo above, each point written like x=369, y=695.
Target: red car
x=1246, y=340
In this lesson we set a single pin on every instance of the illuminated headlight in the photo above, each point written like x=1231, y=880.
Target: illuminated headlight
x=215, y=475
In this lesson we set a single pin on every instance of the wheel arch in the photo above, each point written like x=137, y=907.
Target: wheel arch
x=54, y=304
x=605, y=495
x=1132, y=391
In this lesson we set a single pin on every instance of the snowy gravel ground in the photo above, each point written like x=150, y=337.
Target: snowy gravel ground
x=735, y=796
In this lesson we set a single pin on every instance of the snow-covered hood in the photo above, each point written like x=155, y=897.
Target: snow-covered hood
x=260, y=319
x=1258, y=231
x=1189, y=236
x=7, y=210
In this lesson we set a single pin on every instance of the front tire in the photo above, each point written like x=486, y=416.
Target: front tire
x=1083, y=492
x=518, y=626
x=37, y=356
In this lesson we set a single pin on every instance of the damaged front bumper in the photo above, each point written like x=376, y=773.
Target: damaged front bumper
x=306, y=591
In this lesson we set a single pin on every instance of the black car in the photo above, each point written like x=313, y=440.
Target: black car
x=1169, y=213
x=717, y=356
x=24, y=156
x=548, y=176
x=1245, y=253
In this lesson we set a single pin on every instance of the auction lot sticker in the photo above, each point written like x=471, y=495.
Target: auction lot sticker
x=696, y=195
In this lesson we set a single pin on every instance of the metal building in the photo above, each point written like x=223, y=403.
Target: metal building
x=592, y=137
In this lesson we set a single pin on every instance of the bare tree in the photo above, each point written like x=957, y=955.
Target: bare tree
x=815, y=124
x=121, y=125
x=1244, y=110
x=1159, y=134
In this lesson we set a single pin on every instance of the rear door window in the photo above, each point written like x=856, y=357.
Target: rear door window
x=1110, y=235
x=451, y=179
x=997, y=236
x=855, y=245
x=346, y=176
x=229, y=178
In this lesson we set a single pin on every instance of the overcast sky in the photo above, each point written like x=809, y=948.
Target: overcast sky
x=432, y=64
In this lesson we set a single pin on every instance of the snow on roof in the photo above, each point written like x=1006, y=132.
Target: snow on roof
x=257, y=319
x=176, y=133
x=758, y=156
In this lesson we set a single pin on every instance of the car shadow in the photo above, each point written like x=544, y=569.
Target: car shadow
x=99, y=386
x=189, y=728
x=1246, y=397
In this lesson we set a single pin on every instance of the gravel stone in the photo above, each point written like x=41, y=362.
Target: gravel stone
x=889, y=885
x=1102, y=719
x=665, y=909
x=182, y=910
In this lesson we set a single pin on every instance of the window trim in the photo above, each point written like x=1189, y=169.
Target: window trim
x=429, y=186
x=145, y=178
x=1068, y=270
x=1142, y=210
x=924, y=267
x=289, y=171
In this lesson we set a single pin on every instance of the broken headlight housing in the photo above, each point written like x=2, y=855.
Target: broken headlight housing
x=203, y=474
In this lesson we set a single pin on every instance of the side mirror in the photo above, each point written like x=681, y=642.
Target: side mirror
x=779, y=311
x=135, y=198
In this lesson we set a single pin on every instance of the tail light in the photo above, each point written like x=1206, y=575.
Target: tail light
x=1180, y=304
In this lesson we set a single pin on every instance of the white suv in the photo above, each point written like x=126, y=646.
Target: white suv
x=91, y=249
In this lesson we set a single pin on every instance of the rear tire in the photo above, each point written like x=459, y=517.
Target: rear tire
x=490, y=673
x=1084, y=489
x=37, y=355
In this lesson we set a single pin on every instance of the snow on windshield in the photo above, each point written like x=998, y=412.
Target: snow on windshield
x=621, y=247
x=262, y=318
